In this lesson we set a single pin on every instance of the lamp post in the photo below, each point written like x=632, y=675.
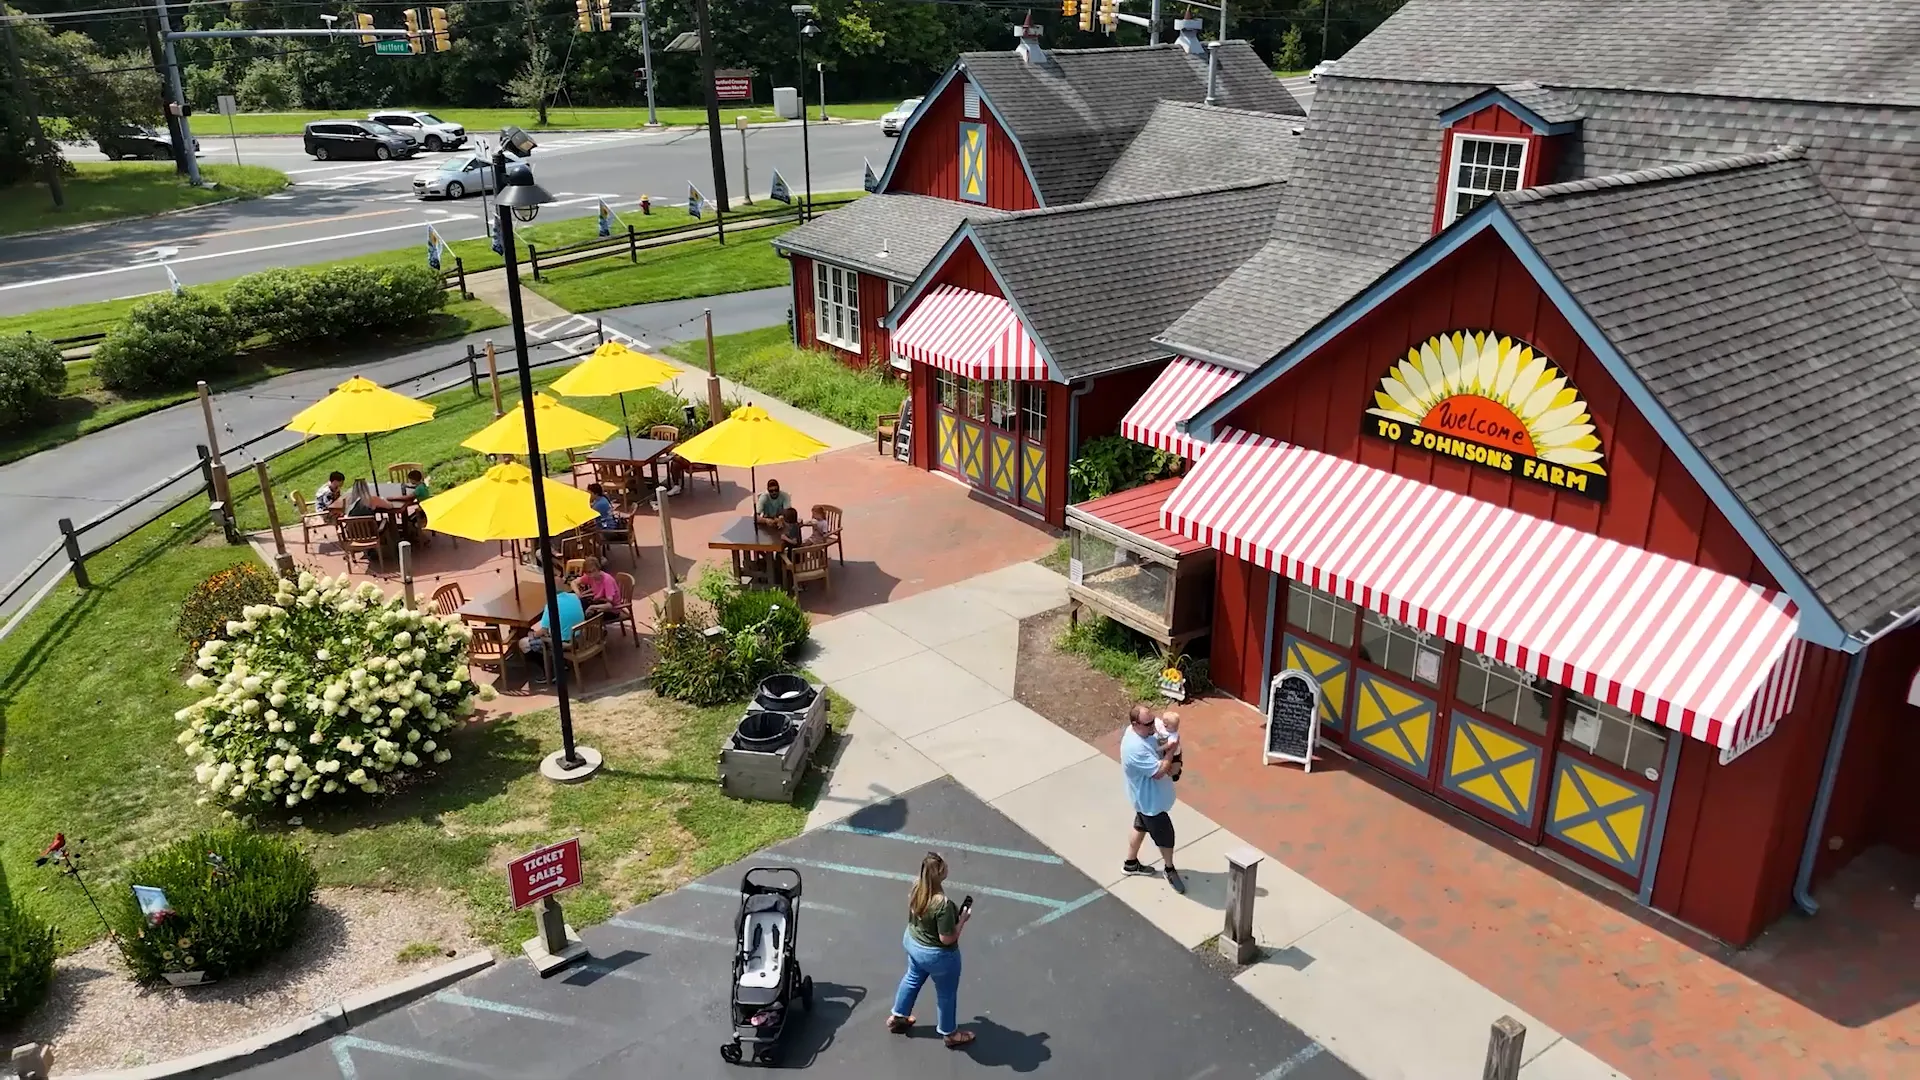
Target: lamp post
x=803, y=16
x=517, y=197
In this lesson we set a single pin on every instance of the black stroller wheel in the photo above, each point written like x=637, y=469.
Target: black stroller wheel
x=806, y=992
x=767, y=1056
x=730, y=1053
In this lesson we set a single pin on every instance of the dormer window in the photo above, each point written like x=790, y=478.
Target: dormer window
x=1483, y=167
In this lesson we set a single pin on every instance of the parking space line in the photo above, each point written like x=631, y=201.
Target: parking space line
x=892, y=875
x=454, y=997
x=1062, y=911
x=670, y=931
x=811, y=905
x=344, y=1043
x=978, y=849
x=1300, y=1057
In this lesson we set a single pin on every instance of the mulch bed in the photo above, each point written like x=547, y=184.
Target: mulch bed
x=1062, y=687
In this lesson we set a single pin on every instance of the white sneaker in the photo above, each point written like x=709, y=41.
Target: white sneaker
x=674, y=490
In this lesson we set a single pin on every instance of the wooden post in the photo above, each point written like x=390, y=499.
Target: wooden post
x=1503, y=1049
x=72, y=541
x=282, y=561
x=633, y=246
x=473, y=369
x=600, y=331
x=220, y=492
x=493, y=377
x=1236, y=938
x=716, y=410
x=676, y=604
x=406, y=572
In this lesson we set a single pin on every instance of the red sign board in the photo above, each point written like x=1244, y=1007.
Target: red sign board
x=544, y=871
x=733, y=87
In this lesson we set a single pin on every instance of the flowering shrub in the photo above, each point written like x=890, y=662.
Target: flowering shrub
x=331, y=686
x=233, y=899
x=219, y=600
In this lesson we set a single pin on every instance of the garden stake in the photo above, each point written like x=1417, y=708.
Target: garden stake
x=68, y=862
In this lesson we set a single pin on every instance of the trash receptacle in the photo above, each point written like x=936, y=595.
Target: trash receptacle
x=516, y=141
x=786, y=103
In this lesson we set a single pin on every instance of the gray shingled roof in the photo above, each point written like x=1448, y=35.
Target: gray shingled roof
x=1185, y=145
x=1095, y=305
x=908, y=228
x=1076, y=112
x=1745, y=297
x=1548, y=105
x=1859, y=51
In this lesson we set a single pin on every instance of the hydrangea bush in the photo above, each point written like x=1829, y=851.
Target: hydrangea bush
x=329, y=687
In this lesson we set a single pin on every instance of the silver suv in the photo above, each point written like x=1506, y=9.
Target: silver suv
x=425, y=129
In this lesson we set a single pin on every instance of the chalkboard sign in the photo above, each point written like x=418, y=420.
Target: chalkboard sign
x=1293, y=718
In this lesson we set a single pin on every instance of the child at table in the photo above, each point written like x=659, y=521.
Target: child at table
x=602, y=595
x=417, y=485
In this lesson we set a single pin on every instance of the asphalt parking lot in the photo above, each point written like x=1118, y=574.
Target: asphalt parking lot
x=1061, y=979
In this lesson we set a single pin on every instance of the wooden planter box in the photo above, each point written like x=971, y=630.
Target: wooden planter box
x=776, y=776
x=1125, y=566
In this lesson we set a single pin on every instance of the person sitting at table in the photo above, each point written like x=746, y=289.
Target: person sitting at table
x=327, y=495
x=603, y=589
x=364, y=503
x=770, y=510
x=609, y=517
x=572, y=613
x=789, y=529
x=819, y=529
x=417, y=485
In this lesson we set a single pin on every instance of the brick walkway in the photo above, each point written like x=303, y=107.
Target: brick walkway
x=1833, y=996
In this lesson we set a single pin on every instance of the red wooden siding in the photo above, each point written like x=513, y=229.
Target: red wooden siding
x=1895, y=813
x=802, y=300
x=965, y=269
x=1235, y=659
x=873, y=336
x=1111, y=396
x=927, y=162
x=1542, y=162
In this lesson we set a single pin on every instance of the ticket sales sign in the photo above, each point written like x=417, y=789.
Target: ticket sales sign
x=544, y=871
x=1496, y=402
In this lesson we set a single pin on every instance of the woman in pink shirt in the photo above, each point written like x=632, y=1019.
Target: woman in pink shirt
x=603, y=590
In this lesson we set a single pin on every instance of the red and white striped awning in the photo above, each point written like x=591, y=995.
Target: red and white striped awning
x=1183, y=389
x=1698, y=651
x=969, y=333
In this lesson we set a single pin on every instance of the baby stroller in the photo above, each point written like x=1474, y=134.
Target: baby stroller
x=767, y=982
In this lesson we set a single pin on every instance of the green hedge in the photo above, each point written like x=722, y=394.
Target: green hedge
x=169, y=341
x=32, y=377
x=236, y=899
x=26, y=963
x=293, y=306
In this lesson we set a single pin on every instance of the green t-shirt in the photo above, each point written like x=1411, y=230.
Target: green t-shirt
x=941, y=918
x=420, y=490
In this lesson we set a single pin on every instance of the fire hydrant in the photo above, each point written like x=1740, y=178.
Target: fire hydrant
x=646, y=204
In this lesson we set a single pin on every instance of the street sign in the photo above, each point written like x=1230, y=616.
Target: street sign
x=733, y=87
x=544, y=871
x=393, y=47
x=227, y=105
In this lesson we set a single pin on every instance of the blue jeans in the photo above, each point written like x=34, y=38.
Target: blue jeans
x=941, y=965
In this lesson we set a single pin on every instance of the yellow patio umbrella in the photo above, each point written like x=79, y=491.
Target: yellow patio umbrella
x=559, y=428
x=499, y=506
x=748, y=439
x=361, y=407
x=614, y=370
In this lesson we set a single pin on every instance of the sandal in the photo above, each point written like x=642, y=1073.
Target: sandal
x=959, y=1039
x=899, y=1025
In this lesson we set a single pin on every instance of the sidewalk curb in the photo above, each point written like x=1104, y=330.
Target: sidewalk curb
x=315, y=1027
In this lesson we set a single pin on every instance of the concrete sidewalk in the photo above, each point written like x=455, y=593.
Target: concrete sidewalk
x=931, y=678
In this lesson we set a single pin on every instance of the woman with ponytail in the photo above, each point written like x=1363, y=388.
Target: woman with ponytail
x=932, y=941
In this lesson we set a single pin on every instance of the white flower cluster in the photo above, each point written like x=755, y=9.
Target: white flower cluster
x=329, y=687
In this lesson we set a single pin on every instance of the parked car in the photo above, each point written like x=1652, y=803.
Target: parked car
x=893, y=123
x=328, y=140
x=1319, y=69
x=424, y=128
x=139, y=141
x=457, y=177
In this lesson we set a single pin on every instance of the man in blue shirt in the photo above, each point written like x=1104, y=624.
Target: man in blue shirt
x=572, y=613
x=1151, y=793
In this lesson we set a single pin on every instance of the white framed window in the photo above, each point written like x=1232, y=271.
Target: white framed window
x=895, y=290
x=1483, y=166
x=836, y=306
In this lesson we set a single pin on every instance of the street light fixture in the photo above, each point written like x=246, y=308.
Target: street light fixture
x=517, y=197
x=803, y=14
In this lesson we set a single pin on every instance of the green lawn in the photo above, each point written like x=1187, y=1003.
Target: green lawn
x=693, y=268
x=488, y=122
x=90, y=681
x=814, y=380
x=102, y=191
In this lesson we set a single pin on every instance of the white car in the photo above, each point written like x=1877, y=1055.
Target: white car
x=893, y=123
x=461, y=176
x=1320, y=69
x=425, y=129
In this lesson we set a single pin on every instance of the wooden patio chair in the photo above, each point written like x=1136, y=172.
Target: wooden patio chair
x=808, y=562
x=664, y=431
x=311, y=518
x=573, y=567
x=625, y=614
x=834, y=516
x=363, y=535
x=690, y=469
x=577, y=460
x=488, y=648
x=448, y=599
x=397, y=472
x=589, y=640
x=883, y=430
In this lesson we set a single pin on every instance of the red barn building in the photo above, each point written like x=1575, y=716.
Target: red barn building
x=1563, y=430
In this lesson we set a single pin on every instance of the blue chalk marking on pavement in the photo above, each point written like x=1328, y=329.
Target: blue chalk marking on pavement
x=1300, y=1057
x=1063, y=910
x=454, y=997
x=978, y=849
x=894, y=875
x=344, y=1043
x=810, y=905
x=670, y=931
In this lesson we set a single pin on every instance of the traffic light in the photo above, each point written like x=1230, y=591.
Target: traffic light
x=605, y=8
x=1086, y=14
x=365, y=23
x=437, y=19
x=412, y=16
x=583, y=12
x=1110, y=15
x=1069, y=8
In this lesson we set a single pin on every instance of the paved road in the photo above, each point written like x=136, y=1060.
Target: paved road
x=1300, y=86
x=341, y=209
x=97, y=471
x=1061, y=979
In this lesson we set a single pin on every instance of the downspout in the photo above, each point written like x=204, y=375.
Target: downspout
x=1073, y=420
x=1266, y=647
x=1829, y=777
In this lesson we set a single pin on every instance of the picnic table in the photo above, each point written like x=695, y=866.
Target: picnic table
x=519, y=609
x=744, y=537
x=637, y=453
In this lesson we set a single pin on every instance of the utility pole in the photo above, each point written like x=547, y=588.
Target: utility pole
x=646, y=57
x=1326, y=20
x=160, y=69
x=714, y=144
x=48, y=163
x=1153, y=24
x=185, y=145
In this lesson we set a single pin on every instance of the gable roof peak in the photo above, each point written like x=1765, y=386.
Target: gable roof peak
x=1791, y=152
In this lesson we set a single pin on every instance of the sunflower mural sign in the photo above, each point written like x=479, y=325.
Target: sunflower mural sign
x=1496, y=402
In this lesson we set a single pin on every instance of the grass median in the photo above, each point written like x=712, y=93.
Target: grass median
x=104, y=191
x=810, y=379
x=486, y=123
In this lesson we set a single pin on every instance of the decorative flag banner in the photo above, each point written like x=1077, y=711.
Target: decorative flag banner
x=493, y=234
x=434, y=247
x=781, y=193
x=696, y=202
x=607, y=218
x=171, y=280
x=871, y=182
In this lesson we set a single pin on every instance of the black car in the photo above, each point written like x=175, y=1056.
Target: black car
x=329, y=140
x=138, y=142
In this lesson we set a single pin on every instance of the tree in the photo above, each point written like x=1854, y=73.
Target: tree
x=1292, y=54
x=534, y=86
x=83, y=92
